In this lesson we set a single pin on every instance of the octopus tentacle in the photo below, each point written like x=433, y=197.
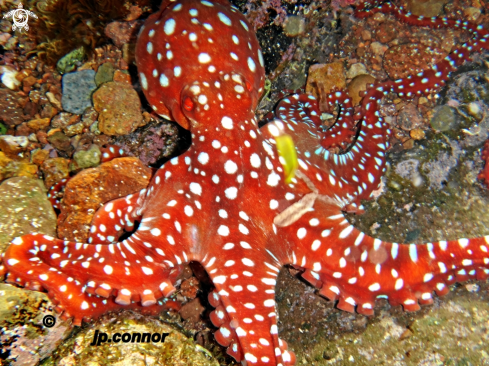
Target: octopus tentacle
x=66, y=270
x=116, y=217
x=355, y=269
x=348, y=177
x=246, y=315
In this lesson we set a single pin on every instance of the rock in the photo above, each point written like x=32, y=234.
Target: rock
x=329, y=75
x=11, y=112
x=444, y=119
x=53, y=100
x=192, y=310
x=358, y=84
x=417, y=134
x=55, y=169
x=25, y=341
x=9, y=77
x=378, y=48
x=13, y=145
x=39, y=124
x=426, y=8
x=12, y=168
x=68, y=62
x=156, y=141
x=176, y=349
x=24, y=209
x=122, y=76
x=86, y=192
x=77, y=90
x=105, y=73
x=61, y=142
x=123, y=33
x=87, y=158
x=398, y=60
x=294, y=26
x=38, y=156
x=409, y=117
x=386, y=32
x=355, y=70
x=119, y=108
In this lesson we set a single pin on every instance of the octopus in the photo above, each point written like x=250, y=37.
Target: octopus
x=229, y=204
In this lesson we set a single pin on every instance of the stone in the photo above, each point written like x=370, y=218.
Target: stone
x=24, y=209
x=409, y=117
x=60, y=142
x=13, y=145
x=355, y=70
x=119, y=108
x=13, y=168
x=55, y=169
x=68, y=62
x=294, y=26
x=39, y=124
x=123, y=33
x=358, y=84
x=24, y=340
x=444, y=119
x=105, y=73
x=328, y=75
x=10, y=111
x=87, y=191
x=87, y=158
x=77, y=90
x=9, y=77
x=426, y=8
x=403, y=60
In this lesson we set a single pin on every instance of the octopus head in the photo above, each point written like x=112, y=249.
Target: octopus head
x=198, y=59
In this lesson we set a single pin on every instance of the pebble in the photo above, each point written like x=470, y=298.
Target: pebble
x=77, y=90
x=13, y=145
x=294, y=26
x=444, y=118
x=105, y=73
x=426, y=8
x=69, y=62
x=24, y=208
x=119, y=108
x=378, y=48
x=123, y=33
x=60, y=142
x=55, y=169
x=358, y=84
x=11, y=113
x=39, y=124
x=87, y=158
x=398, y=60
x=329, y=75
x=409, y=117
x=9, y=77
x=355, y=70
x=10, y=167
x=114, y=179
x=417, y=134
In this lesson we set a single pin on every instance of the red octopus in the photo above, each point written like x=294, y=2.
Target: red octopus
x=225, y=203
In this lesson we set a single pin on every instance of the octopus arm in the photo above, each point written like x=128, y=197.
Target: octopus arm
x=82, y=279
x=245, y=310
x=355, y=269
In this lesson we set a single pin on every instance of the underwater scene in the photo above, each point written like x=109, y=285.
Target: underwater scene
x=244, y=182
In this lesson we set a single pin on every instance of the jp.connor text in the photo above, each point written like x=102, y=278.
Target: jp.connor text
x=102, y=337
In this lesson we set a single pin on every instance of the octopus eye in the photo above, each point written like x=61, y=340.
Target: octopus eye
x=188, y=104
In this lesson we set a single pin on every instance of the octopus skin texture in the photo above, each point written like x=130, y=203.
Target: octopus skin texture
x=225, y=204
